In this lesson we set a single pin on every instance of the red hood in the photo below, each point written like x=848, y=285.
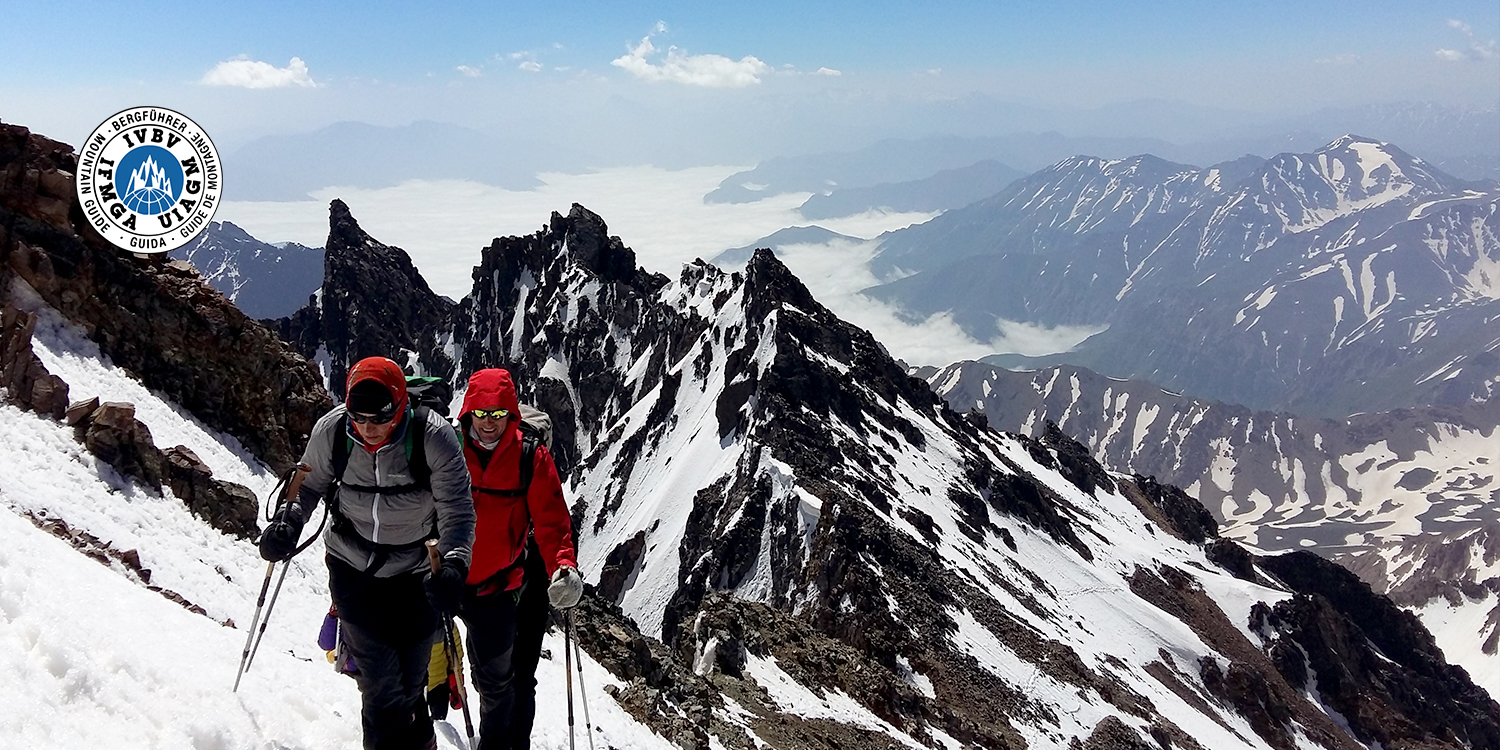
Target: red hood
x=383, y=371
x=491, y=389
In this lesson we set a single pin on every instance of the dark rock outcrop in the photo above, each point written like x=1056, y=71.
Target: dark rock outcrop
x=27, y=382
x=226, y=506
x=116, y=437
x=1374, y=662
x=620, y=567
x=373, y=303
x=1183, y=516
x=111, y=432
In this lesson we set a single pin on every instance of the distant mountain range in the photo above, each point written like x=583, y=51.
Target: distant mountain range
x=947, y=189
x=263, y=280
x=1461, y=139
x=739, y=256
x=897, y=161
x=1353, y=278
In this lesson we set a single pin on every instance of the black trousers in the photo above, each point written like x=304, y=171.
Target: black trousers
x=388, y=627
x=491, y=624
x=531, y=625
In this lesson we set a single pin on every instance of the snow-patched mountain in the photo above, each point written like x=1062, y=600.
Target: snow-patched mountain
x=759, y=486
x=263, y=280
x=1406, y=499
x=948, y=188
x=1355, y=278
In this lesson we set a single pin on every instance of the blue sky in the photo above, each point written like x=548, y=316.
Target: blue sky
x=65, y=65
x=77, y=41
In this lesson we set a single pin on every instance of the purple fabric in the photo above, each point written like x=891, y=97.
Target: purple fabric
x=328, y=637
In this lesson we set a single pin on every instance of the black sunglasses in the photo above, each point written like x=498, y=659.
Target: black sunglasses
x=372, y=418
x=490, y=413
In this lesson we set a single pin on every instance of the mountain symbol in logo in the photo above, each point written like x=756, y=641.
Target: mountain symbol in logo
x=149, y=190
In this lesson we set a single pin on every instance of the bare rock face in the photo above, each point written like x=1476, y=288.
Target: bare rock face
x=1183, y=516
x=111, y=432
x=1112, y=734
x=227, y=506
x=1373, y=661
x=373, y=303
x=620, y=567
x=119, y=439
x=158, y=320
x=26, y=380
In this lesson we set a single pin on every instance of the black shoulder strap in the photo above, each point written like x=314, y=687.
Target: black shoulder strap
x=340, y=448
x=528, y=460
x=529, y=444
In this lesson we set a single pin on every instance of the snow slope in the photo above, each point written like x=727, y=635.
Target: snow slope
x=93, y=658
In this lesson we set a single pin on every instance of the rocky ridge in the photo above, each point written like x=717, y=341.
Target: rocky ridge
x=263, y=280
x=729, y=442
x=1405, y=499
x=157, y=319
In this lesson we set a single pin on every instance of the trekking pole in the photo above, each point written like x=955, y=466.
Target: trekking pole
x=450, y=649
x=583, y=689
x=568, y=670
x=250, y=636
x=293, y=483
x=261, y=633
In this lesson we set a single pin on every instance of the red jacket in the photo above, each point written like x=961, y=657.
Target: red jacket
x=502, y=521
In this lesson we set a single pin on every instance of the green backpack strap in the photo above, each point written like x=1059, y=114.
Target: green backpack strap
x=416, y=454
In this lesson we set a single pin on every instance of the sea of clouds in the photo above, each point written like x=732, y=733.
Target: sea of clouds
x=660, y=214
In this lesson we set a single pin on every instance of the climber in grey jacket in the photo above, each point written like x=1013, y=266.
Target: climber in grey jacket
x=383, y=508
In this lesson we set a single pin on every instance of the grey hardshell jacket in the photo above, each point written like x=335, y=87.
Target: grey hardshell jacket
x=392, y=519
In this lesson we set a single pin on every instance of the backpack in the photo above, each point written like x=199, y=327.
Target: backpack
x=424, y=395
x=433, y=393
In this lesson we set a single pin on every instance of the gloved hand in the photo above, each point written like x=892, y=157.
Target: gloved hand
x=445, y=588
x=566, y=588
x=279, y=539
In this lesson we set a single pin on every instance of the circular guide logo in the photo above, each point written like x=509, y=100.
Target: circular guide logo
x=149, y=179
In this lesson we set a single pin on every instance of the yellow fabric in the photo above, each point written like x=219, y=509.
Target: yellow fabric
x=437, y=665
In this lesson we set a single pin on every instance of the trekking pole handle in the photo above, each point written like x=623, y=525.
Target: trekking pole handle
x=432, y=555
x=295, y=486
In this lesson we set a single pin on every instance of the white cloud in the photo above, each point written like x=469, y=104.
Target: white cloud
x=254, y=74
x=829, y=72
x=531, y=66
x=1478, y=50
x=1348, y=58
x=693, y=70
x=470, y=72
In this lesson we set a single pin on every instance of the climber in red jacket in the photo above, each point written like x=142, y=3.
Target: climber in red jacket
x=504, y=513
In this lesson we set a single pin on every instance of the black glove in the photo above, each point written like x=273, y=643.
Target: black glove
x=279, y=539
x=445, y=588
